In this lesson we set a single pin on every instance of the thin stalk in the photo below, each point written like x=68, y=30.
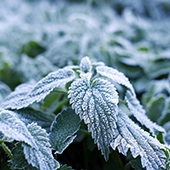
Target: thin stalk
x=84, y=131
x=5, y=148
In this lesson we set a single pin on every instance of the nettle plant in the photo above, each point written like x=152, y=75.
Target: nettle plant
x=101, y=98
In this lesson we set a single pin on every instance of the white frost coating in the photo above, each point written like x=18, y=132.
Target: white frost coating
x=115, y=76
x=11, y=126
x=140, y=114
x=130, y=136
x=24, y=97
x=96, y=104
x=42, y=157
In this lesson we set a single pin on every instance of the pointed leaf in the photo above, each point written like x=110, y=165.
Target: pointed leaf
x=131, y=136
x=85, y=65
x=63, y=130
x=38, y=92
x=115, y=76
x=96, y=103
x=140, y=114
x=40, y=157
x=11, y=126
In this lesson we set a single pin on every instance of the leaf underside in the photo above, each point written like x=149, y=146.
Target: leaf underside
x=96, y=103
x=24, y=97
x=131, y=136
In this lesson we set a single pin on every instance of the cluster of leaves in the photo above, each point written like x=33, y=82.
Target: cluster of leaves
x=132, y=37
x=93, y=94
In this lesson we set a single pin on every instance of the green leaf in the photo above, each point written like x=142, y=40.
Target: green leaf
x=22, y=98
x=96, y=103
x=140, y=114
x=29, y=115
x=65, y=167
x=18, y=161
x=40, y=157
x=131, y=137
x=115, y=76
x=63, y=130
x=35, y=140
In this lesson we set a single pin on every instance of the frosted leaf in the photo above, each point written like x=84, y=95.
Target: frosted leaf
x=18, y=160
x=63, y=130
x=140, y=114
x=40, y=157
x=96, y=103
x=11, y=126
x=22, y=98
x=85, y=65
x=115, y=76
x=13, y=99
x=131, y=136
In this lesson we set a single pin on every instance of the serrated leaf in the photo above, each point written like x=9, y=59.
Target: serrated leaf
x=18, y=160
x=40, y=157
x=96, y=103
x=11, y=126
x=63, y=130
x=14, y=97
x=140, y=114
x=38, y=92
x=131, y=137
x=115, y=76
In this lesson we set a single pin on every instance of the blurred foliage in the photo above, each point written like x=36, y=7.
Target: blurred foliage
x=132, y=36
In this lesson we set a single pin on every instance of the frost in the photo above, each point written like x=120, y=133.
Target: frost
x=34, y=140
x=115, y=76
x=140, y=114
x=11, y=126
x=40, y=157
x=23, y=97
x=63, y=130
x=130, y=136
x=96, y=103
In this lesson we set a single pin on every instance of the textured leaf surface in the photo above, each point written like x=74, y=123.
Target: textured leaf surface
x=29, y=115
x=13, y=99
x=11, y=126
x=140, y=114
x=130, y=136
x=22, y=98
x=63, y=130
x=115, y=76
x=18, y=161
x=96, y=103
x=40, y=157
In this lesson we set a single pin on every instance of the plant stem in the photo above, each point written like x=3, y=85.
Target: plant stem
x=84, y=131
x=5, y=148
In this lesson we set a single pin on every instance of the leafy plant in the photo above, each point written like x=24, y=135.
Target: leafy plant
x=35, y=121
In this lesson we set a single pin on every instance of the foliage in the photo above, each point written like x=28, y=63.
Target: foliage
x=59, y=107
x=95, y=98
